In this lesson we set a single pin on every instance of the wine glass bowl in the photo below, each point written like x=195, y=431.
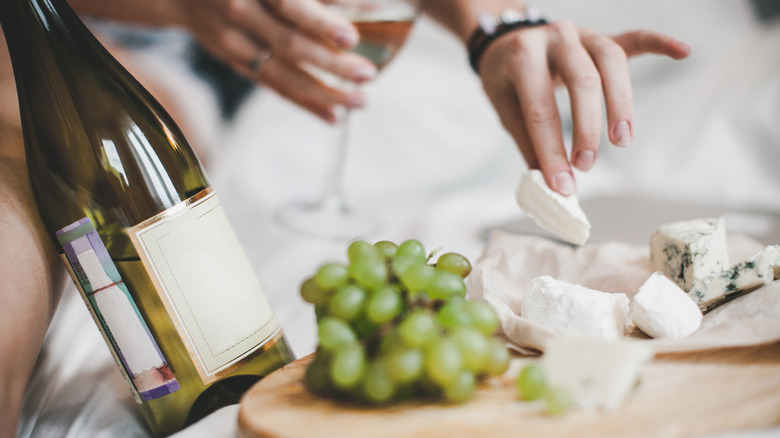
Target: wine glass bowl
x=384, y=26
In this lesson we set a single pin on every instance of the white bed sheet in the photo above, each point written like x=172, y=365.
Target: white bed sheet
x=431, y=161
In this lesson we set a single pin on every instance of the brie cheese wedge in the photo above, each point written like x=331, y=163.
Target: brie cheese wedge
x=550, y=210
x=663, y=310
x=568, y=309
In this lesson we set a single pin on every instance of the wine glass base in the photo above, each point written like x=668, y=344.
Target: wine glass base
x=327, y=218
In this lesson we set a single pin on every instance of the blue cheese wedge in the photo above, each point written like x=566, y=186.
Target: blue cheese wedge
x=562, y=308
x=663, y=310
x=596, y=374
x=689, y=251
x=550, y=210
x=741, y=278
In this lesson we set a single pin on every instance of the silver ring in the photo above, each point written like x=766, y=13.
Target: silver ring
x=258, y=63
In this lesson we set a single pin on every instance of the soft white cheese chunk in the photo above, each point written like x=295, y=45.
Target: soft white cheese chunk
x=688, y=251
x=568, y=309
x=596, y=374
x=663, y=310
x=773, y=254
x=739, y=279
x=550, y=210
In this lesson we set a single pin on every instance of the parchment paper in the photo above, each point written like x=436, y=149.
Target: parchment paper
x=509, y=263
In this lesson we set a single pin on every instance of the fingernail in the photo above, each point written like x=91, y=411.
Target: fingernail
x=622, y=133
x=364, y=72
x=328, y=117
x=682, y=43
x=584, y=159
x=685, y=46
x=564, y=183
x=346, y=38
x=356, y=100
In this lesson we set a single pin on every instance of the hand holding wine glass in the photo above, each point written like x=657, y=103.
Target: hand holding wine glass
x=384, y=26
x=269, y=42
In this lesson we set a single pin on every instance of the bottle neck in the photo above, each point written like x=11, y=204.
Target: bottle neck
x=21, y=17
x=93, y=134
x=37, y=31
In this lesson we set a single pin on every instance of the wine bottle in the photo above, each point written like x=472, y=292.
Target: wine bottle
x=144, y=235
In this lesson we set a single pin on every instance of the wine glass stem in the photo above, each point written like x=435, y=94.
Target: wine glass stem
x=333, y=192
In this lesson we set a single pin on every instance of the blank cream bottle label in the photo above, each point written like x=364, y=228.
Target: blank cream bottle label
x=207, y=284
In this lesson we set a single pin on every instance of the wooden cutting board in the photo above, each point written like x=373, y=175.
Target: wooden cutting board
x=681, y=395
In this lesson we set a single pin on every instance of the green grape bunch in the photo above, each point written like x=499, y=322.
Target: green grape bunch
x=393, y=325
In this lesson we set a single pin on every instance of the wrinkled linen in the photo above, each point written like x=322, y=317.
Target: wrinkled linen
x=430, y=158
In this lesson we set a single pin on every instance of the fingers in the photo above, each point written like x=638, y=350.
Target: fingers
x=289, y=29
x=534, y=91
x=305, y=90
x=313, y=18
x=507, y=105
x=643, y=41
x=572, y=62
x=519, y=71
x=611, y=57
x=299, y=35
x=234, y=47
x=299, y=48
x=612, y=65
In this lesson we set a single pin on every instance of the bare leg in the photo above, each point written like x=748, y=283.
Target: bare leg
x=31, y=275
x=30, y=283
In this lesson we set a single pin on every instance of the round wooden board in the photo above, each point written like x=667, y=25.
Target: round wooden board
x=681, y=395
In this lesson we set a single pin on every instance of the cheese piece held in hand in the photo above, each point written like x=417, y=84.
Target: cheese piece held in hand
x=596, y=374
x=688, y=251
x=552, y=211
x=737, y=280
x=568, y=309
x=663, y=310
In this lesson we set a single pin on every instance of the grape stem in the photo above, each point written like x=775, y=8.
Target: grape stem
x=434, y=252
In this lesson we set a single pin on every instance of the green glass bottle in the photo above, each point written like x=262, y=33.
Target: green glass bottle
x=139, y=226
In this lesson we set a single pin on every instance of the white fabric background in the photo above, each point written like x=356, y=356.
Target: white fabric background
x=430, y=159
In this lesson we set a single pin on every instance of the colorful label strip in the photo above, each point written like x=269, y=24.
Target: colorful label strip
x=115, y=311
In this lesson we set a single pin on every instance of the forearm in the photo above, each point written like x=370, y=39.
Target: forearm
x=461, y=16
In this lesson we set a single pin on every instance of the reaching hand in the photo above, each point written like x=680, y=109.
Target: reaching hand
x=274, y=42
x=520, y=70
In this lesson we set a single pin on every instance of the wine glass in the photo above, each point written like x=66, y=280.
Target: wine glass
x=383, y=26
